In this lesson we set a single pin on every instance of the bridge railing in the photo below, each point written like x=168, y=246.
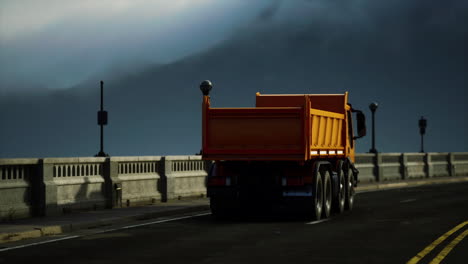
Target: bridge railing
x=185, y=176
x=135, y=180
x=71, y=184
x=459, y=164
x=382, y=167
x=16, y=194
x=34, y=187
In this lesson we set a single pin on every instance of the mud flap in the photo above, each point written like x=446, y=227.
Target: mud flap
x=355, y=172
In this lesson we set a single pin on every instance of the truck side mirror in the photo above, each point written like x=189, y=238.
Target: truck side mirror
x=361, y=124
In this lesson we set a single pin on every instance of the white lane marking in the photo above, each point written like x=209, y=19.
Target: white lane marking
x=152, y=223
x=104, y=231
x=38, y=243
x=318, y=222
x=408, y=201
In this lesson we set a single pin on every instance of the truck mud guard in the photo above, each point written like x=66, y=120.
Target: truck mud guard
x=354, y=169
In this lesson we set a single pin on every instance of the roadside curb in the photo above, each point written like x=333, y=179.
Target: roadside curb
x=368, y=187
x=60, y=229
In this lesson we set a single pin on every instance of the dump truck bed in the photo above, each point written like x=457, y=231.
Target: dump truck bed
x=281, y=127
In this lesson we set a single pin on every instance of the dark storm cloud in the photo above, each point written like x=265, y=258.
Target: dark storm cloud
x=59, y=44
x=407, y=55
x=269, y=12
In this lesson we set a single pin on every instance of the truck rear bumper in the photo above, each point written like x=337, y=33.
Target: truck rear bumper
x=273, y=194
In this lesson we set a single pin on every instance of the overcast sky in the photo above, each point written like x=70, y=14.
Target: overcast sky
x=60, y=43
x=39, y=39
x=408, y=55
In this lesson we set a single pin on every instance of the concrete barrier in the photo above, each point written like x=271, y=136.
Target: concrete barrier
x=30, y=187
x=16, y=192
x=73, y=184
x=401, y=166
x=459, y=163
x=135, y=180
x=415, y=165
x=366, y=164
x=438, y=164
x=51, y=186
x=185, y=176
x=391, y=167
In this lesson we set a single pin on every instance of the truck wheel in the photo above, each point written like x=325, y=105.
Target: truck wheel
x=317, y=197
x=349, y=189
x=339, y=200
x=327, y=192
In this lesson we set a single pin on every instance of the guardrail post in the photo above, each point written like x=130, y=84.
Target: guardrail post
x=451, y=164
x=48, y=199
x=404, y=166
x=169, y=179
x=164, y=169
x=111, y=170
x=378, y=167
x=428, y=168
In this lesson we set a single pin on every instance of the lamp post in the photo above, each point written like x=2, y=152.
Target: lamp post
x=206, y=87
x=373, y=107
x=422, y=131
x=102, y=121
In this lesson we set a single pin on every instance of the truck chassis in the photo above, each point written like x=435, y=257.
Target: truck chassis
x=317, y=187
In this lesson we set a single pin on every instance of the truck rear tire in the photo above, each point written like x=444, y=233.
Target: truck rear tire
x=339, y=199
x=349, y=189
x=327, y=192
x=317, y=196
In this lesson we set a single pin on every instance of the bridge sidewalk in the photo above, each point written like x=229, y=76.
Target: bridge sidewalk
x=53, y=225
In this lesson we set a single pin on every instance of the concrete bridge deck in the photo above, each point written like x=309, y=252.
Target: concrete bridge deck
x=11, y=233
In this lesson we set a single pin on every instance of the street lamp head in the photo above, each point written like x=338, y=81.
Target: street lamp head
x=422, y=122
x=373, y=106
x=422, y=125
x=206, y=87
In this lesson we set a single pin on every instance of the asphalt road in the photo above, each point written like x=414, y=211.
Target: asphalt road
x=390, y=226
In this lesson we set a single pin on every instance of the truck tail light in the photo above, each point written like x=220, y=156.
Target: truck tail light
x=219, y=181
x=216, y=181
x=297, y=181
x=292, y=181
x=218, y=176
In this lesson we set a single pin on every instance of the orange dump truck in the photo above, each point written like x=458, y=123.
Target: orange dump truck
x=288, y=150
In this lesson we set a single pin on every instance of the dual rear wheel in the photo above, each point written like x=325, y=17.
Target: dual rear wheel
x=350, y=192
x=340, y=198
x=324, y=200
x=322, y=192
